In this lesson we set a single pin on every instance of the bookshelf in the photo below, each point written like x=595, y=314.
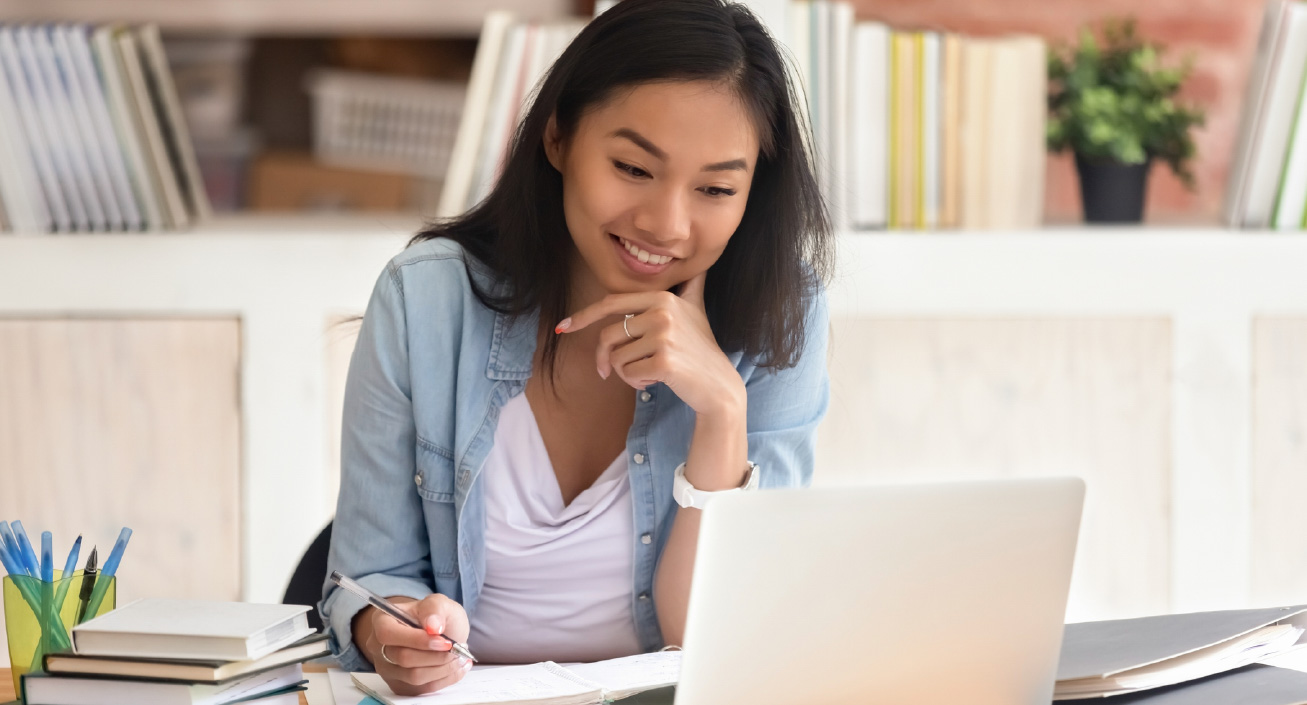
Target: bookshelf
x=445, y=18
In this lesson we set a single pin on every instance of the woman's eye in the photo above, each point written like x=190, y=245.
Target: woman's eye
x=718, y=191
x=632, y=170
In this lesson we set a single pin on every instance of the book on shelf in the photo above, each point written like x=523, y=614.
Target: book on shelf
x=92, y=137
x=1266, y=183
x=908, y=131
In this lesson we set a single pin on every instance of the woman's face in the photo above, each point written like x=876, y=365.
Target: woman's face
x=655, y=182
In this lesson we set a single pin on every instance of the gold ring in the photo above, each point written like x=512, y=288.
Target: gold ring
x=387, y=658
x=628, y=317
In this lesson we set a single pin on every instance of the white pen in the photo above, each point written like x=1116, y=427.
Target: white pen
x=389, y=608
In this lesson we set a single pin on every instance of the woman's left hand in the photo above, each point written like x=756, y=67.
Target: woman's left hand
x=666, y=339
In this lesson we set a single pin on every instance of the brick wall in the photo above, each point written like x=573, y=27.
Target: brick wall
x=1221, y=34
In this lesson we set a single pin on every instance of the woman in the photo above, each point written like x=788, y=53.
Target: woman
x=640, y=297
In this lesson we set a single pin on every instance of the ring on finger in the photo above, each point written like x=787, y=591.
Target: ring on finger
x=385, y=657
x=626, y=318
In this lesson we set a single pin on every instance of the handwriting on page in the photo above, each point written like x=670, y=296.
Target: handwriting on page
x=491, y=685
x=633, y=672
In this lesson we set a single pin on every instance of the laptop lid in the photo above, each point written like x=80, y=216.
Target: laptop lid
x=923, y=594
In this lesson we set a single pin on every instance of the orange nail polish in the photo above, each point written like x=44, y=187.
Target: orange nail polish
x=563, y=325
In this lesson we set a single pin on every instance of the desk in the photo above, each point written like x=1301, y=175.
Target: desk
x=7, y=684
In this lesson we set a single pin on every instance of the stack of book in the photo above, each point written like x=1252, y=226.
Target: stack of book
x=92, y=137
x=1268, y=177
x=182, y=651
x=911, y=129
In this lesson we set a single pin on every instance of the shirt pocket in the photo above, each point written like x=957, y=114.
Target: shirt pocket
x=435, y=486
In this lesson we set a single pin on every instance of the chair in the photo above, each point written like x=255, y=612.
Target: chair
x=305, y=586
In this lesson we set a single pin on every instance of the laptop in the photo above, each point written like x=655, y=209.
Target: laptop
x=921, y=594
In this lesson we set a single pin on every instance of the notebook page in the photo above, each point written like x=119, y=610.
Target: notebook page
x=537, y=682
x=632, y=674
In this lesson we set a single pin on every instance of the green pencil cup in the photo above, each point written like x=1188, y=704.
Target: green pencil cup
x=39, y=615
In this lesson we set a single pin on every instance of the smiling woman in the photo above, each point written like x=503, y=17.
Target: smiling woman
x=547, y=389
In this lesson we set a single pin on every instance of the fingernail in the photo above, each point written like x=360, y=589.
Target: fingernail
x=603, y=374
x=433, y=625
x=563, y=325
x=467, y=665
x=441, y=645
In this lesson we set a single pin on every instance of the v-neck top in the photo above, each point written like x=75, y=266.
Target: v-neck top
x=559, y=583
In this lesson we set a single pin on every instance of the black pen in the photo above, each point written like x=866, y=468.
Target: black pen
x=88, y=584
x=389, y=608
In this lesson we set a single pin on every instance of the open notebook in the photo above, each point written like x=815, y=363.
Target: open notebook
x=544, y=683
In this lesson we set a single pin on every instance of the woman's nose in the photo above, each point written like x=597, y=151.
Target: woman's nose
x=665, y=215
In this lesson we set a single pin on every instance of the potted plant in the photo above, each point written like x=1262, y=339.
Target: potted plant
x=1115, y=106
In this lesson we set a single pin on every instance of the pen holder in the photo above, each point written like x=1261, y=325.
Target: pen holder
x=39, y=615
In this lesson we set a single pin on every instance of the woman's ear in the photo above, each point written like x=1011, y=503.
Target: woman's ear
x=553, y=144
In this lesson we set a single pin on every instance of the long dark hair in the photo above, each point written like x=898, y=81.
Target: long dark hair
x=758, y=291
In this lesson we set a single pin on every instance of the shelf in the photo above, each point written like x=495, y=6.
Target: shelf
x=451, y=18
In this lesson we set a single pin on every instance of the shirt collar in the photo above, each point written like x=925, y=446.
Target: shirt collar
x=513, y=345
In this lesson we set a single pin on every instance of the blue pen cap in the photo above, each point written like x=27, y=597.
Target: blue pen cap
x=47, y=556
x=116, y=555
x=25, y=552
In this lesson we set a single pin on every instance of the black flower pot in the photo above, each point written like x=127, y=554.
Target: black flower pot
x=1112, y=192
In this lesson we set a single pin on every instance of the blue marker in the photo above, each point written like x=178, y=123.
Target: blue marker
x=25, y=550
x=47, y=556
x=7, y=540
x=110, y=567
x=7, y=554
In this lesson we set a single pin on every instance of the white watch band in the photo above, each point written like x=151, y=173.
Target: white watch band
x=687, y=496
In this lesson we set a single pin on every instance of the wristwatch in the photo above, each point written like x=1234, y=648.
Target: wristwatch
x=689, y=497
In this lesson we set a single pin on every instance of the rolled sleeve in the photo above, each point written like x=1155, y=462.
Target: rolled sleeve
x=379, y=536
x=786, y=406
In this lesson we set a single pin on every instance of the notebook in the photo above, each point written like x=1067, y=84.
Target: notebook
x=188, y=671
x=47, y=689
x=544, y=683
x=192, y=629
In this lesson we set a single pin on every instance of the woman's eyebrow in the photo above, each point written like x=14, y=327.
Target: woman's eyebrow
x=643, y=143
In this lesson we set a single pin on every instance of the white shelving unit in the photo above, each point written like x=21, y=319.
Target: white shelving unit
x=285, y=276
x=431, y=18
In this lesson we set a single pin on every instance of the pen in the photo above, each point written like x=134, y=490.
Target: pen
x=389, y=608
x=10, y=543
x=25, y=551
x=65, y=578
x=47, y=557
x=110, y=568
x=88, y=582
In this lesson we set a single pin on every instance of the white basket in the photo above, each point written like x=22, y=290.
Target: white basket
x=385, y=123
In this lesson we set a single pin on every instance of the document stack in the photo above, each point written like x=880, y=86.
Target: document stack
x=1204, y=658
x=92, y=137
x=188, y=652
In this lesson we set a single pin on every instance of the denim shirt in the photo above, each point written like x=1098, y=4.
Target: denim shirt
x=431, y=369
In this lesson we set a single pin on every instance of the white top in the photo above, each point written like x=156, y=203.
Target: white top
x=559, y=579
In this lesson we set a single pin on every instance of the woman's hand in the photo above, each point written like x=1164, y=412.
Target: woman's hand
x=415, y=662
x=668, y=340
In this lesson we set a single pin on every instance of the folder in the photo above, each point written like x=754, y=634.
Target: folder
x=1130, y=655
x=1251, y=685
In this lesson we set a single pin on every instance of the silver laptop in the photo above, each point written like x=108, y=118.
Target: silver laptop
x=921, y=594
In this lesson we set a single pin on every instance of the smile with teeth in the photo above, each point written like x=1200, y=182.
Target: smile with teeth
x=643, y=256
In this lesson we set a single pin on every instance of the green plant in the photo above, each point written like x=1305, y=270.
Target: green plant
x=1117, y=102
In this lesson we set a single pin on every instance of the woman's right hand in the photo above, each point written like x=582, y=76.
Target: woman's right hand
x=415, y=662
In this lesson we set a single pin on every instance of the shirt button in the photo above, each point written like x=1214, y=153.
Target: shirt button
x=638, y=458
x=646, y=539
x=418, y=480
x=645, y=396
x=644, y=596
